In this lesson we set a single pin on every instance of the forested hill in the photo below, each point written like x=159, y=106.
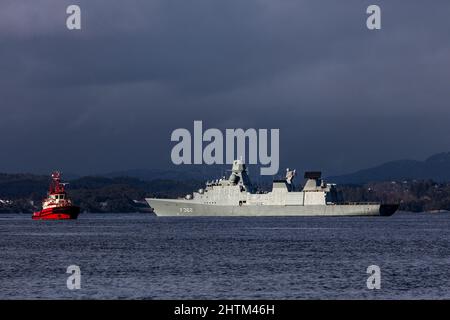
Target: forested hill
x=436, y=167
x=24, y=192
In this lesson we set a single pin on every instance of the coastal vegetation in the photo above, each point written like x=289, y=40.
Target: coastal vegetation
x=24, y=192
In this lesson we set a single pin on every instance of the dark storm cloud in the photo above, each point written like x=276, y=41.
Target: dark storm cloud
x=107, y=97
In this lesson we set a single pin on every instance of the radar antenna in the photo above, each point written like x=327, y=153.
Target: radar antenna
x=290, y=174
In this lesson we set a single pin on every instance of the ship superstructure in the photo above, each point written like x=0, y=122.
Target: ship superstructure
x=236, y=196
x=57, y=205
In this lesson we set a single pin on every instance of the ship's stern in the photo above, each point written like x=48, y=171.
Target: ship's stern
x=387, y=210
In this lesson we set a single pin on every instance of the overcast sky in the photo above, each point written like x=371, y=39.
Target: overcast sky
x=108, y=97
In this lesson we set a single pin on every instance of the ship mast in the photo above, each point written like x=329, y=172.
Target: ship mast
x=56, y=186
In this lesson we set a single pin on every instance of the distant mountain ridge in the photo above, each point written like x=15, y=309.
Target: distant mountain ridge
x=436, y=167
x=181, y=174
x=187, y=173
x=121, y=192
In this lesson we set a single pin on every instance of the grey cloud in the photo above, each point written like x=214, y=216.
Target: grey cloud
x=107, y=97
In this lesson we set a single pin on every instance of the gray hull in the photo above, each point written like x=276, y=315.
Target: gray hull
x=168, y=207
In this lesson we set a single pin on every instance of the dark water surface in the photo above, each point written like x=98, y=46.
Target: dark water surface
x=145, y=257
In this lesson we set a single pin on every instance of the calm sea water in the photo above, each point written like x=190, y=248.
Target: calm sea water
x=137, y=256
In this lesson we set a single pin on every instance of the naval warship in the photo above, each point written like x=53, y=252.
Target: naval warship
x=236, y=196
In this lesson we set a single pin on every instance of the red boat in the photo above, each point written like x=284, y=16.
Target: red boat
x=57, y=205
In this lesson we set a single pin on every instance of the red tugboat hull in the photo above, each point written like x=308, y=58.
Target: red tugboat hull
x=57, y=213
x=57, y=205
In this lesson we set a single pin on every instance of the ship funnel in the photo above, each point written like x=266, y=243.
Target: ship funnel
x=315, y=175
x=313, y=180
